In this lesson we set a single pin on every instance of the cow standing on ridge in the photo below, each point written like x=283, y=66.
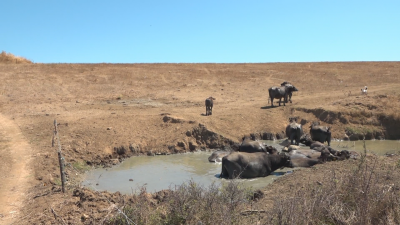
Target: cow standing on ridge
x=290, y=94
x=281, y=92
x=209, y=105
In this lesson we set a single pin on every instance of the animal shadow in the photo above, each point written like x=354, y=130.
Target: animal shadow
x=267, y=107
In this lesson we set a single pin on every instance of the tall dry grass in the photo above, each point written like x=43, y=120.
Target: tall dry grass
x=369, y=195
x=190, y=203
x=8, y=58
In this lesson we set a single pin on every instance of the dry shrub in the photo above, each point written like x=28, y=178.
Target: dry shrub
x=9, y=58
x=190, y=203
x=367, y=195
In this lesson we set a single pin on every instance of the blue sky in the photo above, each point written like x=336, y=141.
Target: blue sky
x=190, y=31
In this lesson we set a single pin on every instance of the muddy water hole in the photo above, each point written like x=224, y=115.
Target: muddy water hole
x=161, y=172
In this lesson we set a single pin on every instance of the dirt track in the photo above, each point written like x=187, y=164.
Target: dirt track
x=100, y=107
x=16, y=171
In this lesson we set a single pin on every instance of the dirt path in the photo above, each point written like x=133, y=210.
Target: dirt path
x=15, y=170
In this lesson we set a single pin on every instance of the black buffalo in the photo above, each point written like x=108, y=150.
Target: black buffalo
x=251, y=165
x=250, y=146
x=290, y=94
x=303, y=162
x=302, y=153
x=317, y=158
x=209, y=105
x=294, y=131
x=271, y=150
x=320, y=133
x=306, y=140
x=280, y=92
x=343, y=155
x=316, y=144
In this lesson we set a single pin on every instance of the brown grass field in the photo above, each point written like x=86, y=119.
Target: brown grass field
x=151, y=108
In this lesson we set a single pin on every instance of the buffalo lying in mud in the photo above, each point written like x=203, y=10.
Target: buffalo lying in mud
x=280, y=92
x=294, y=131
x=217, y=156
x=311, y=159
x=209, y=105
x=337, y=154
x=251, y=165
x=250, y=146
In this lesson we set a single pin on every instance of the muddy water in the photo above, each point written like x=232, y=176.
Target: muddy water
x=162, y=172
x=379, y=147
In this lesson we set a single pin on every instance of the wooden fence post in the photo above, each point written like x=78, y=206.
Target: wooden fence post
x=60, y=158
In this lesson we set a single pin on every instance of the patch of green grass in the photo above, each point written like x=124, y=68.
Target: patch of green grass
x=57, y=181
x=81, y=166
x=362, y=130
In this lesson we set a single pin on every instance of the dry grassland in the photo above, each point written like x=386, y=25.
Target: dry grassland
x=157, y=109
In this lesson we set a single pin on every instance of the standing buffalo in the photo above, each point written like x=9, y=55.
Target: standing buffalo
x=294, y=131
x=290, y=94
x=209, y=105
x=251, y=165
x=281, y=92
x=320, y=133
x=250, y=146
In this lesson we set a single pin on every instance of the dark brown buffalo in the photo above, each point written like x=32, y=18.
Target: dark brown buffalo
x=248, y=145
x=320, y=133
x=311, y=159
x=303, y=162
x=290, y=94
x=294, y=131
x=343, y=155
x=251, y=165
x=209, y=105
x=280, y=92
x=271, y=150
x=316, y=144
x=217, y=156
x=301, y=153
x=306, y=140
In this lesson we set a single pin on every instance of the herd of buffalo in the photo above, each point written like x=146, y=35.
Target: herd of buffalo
x=255, y=159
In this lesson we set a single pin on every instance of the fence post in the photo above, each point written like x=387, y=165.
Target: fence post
x=60, y=158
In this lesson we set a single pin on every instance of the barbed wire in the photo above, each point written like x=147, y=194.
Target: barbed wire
x=56, y=137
